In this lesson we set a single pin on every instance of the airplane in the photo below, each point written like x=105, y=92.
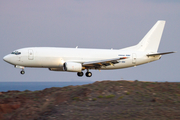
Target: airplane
x=79, y=59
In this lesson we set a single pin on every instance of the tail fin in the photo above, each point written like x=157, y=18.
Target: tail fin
x=151, y=40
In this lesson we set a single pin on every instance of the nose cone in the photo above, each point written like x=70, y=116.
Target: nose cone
x=5, y=58
x=8, y=59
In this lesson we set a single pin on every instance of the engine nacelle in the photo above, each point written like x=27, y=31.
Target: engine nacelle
x=56, y=69
x=72, y=67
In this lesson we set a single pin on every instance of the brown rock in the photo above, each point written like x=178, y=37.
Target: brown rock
x=7, y=108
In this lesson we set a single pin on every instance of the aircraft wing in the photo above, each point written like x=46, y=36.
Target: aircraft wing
x=160, y=53
x=98, y=64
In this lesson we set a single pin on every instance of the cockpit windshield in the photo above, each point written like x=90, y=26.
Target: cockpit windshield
x=16, y=53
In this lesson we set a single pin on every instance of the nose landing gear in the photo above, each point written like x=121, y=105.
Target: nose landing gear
x=21, y=67
x=22, y=72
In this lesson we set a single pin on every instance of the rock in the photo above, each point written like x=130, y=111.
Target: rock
x=7, y=108
x=155, y=100
x=90, y=99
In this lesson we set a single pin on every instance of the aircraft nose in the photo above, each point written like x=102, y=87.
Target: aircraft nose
x=12, y=59
x=7, y=58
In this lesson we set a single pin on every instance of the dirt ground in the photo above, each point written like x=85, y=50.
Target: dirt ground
x=105, y=100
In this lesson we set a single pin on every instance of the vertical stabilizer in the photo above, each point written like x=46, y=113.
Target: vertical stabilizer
x=151, y=40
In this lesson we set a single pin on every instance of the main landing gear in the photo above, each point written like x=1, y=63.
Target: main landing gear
x=88, y=74
x=80, y=74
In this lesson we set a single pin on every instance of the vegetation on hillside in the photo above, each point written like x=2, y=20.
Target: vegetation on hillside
x=111, y=100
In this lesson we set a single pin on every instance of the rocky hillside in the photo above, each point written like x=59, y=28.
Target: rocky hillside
x=106, y=100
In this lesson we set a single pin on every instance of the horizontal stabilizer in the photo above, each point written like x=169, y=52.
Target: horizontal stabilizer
x=160, y=53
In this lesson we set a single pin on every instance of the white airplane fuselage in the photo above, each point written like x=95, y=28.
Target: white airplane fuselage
x=79, y=59
x=51, y=57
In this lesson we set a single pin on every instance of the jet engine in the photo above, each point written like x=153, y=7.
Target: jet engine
x=72, y=67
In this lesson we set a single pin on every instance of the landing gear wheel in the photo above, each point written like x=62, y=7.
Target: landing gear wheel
x=80, y=74
x=88, y=74
x=22, y=72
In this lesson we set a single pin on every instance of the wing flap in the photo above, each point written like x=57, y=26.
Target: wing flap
x=164, y=53
x=107, y=62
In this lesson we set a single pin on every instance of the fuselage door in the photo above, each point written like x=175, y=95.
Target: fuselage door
x=134, y=58
x=30, y=54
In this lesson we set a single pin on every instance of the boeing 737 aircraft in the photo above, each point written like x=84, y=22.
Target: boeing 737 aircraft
x=79, y=59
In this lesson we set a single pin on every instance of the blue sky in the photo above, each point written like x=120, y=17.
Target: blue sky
x=89, y=24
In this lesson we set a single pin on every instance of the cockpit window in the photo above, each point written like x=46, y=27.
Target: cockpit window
x=16, y=53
